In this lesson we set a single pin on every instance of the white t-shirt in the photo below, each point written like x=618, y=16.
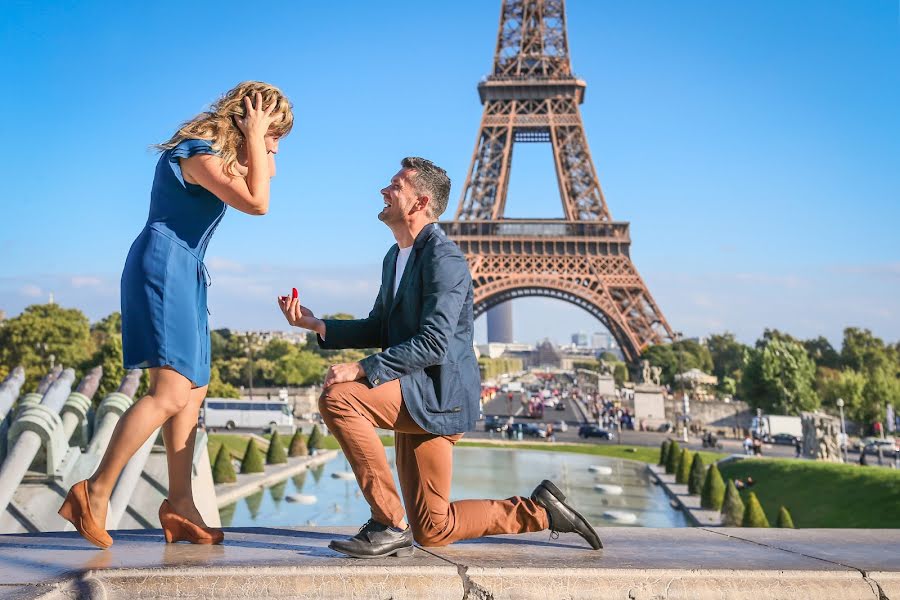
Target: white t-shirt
x=402, y=258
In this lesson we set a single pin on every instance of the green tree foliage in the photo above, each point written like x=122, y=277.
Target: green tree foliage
x=713, y=493
x=784, y=519
x=314, y=441
x=218, y=388
x=848, y=385
x=823, y=353
x=39, y=331
x=491, y=368
x=276, y=454
x=695, y=478
x=732, y=507
x=754, y=516
x=253, y=461
x=108, y=356
x=223, y=469
x=683, y=473
x=664, y=452
x=620, y=373
x=779, y=377
x=678, y=357
x=298, y=445
x=672, y=458
x=728, y=358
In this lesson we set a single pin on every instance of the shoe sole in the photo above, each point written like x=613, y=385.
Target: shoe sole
x=399, y=553
x=557, y=493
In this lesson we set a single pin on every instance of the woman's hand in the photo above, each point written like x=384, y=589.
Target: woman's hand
x=256, y=120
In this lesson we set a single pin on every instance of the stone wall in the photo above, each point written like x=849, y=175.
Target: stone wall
x=713, y=414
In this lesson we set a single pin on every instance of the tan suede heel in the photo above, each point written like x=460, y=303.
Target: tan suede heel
x=77, y=510
x=177, y=528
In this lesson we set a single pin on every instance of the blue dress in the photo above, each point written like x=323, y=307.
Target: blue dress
x=164, y=314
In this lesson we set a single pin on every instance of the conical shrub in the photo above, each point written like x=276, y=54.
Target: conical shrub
x=663, y=452
x=672, y=458
x=276, y=454
x=684, y=466
x=732, y=507
x=298, y=445
x=695, y=479
x=223, y=470
x=314, y=442
x=253, y=459
x=754, y=516
x=713, y=493
x=784, y=519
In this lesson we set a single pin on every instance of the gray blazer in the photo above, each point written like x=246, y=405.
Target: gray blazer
x=425, y=333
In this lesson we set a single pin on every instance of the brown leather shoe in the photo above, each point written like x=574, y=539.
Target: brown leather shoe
x=77, y=510
x=176, y=528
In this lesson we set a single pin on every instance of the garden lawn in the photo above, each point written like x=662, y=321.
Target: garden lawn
x=237, y=443
x=647, y=454
x=819, y=494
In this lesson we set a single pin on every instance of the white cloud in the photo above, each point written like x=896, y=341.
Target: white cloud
x=79, y=281
x=30, y=290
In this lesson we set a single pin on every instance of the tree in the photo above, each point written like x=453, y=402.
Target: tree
x=39, y=331
x=732, y=507
x=823, y=353
x=620, y=374
x=784, y=519
x=314, y=441
x=663, y=452
x=713, y=489
x=677, y=358
x=672, y=458
x=879, y=364
x=253, y=459
x=684, y=467
x=298, y=445
x=695, y=478
x=728, y=356
x=218, y=388
x=779, y=378
x=223, y=469
x=276, y=454
x=299, y=367
x=109, y=357
x=850, y=386
x=754, y=516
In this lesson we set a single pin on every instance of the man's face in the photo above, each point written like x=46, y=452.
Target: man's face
x=399, y=197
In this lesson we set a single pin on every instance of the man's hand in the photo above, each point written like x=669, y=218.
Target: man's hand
x=344, y=372
x=300, y=316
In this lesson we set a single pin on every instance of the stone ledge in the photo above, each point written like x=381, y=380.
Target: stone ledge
x=636, y=563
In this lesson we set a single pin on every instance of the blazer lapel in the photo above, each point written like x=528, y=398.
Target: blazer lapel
x=387, y=278
x=420, y=241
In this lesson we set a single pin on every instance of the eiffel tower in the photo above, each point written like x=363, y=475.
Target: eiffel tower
x=584, y=258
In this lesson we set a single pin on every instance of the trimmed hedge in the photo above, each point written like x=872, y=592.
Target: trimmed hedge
x=223, y=469
x=253, y=459
x=695, y=478
x=684, y=467
x=733, y=507
x=672, y=458
x=754, y=516
x=664, y=452
x=298, y=445
x=314, y=441
x=713, y=494
x=784, y=519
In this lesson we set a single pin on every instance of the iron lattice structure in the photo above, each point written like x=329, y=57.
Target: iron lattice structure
x=583, y=258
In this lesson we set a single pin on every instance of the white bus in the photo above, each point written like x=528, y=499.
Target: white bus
x=252, y=414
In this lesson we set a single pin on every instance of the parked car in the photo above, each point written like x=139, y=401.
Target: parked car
x=785, y=439
x=589, y=431
x=493, y=423
x=561, y=426
x=560, y=406
x=888, y=447
x=527, y=429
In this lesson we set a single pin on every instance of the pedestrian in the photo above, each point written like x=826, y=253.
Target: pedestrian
x=748, y=445
x=798, y=447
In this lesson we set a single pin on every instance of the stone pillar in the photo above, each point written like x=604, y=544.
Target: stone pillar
x=9, y=390
x=27, y=400
x=36, y=425
x=109, y=411
x=124, y=489
x=77, y=404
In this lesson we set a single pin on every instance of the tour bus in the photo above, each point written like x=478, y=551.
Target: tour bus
x=252, y=414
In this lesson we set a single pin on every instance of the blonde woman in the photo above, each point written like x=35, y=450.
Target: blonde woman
x=223, y=157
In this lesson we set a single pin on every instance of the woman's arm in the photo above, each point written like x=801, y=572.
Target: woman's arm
x=248, y=194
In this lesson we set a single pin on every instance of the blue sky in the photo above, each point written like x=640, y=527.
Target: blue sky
x=754, y=147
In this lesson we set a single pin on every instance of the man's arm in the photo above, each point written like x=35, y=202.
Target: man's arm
x=353, y=333
x=446, y=281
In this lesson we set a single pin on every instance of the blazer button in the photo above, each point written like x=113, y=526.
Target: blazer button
x=377, y=382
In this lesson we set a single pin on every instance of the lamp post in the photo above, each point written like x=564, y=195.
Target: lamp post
x=840, y=405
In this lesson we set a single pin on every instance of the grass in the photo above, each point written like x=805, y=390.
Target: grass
x=237, y=443
x=645, y=454
x=822, y=494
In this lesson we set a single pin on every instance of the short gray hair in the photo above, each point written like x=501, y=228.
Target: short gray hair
x=430, y=180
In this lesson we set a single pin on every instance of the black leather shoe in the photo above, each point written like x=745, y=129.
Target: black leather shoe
x=563, y=518
x=375, y=540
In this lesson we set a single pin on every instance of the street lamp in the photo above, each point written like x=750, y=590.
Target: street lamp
x=840, y=405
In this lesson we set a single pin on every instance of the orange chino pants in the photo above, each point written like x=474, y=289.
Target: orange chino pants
x=353, y=410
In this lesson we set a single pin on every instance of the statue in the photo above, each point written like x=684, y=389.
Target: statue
x=821, y=436
x=645, y=371
x=656, y=375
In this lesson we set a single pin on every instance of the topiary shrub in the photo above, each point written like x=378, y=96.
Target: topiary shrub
x=695, y=478
x=223, y=470
x=276, y=454
x=784, y=519
x=713, y=493
x=672, y=458
x=253, y=459
x=732, y=507
x=684, y=466
x=298, y=445
x=314, y=442
x=663, y=452
x=754, y=516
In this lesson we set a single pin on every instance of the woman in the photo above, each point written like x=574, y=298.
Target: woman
x=223, y=157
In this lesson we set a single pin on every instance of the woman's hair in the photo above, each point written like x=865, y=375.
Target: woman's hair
x=218, y=125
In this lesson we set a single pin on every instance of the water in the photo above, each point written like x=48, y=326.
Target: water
x=626, y=495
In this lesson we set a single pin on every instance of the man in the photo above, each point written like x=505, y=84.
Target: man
x=424, y=385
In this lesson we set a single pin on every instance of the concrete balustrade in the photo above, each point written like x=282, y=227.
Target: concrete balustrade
x=9, y=390
x=76, y=407
x=111, y=409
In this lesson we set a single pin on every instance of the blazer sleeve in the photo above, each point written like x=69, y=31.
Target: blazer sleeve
x=445, y=285
x=354, y=333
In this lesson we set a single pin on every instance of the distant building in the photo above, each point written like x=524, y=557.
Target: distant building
x=495, y=350
x=580, y=339
x=547, y=355
x=500, y=324
x=294, y=337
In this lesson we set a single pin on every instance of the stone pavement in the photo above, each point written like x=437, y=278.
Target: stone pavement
x=636, y=563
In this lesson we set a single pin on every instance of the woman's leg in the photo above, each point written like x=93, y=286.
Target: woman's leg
x=169, y=393
x=179, y=433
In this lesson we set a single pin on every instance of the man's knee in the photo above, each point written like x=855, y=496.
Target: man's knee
x=430, y=534
x=332, y=399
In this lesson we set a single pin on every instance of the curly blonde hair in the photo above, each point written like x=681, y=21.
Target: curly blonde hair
x=218, y=126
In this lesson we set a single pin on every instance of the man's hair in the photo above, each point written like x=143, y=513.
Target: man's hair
x=430, y=180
